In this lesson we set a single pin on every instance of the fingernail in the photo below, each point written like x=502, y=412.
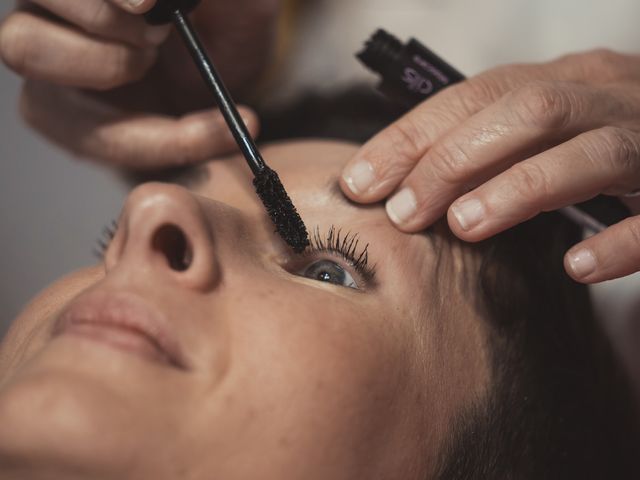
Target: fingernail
x=157, y=35
x=582, y=262
x=469, y=213
x=402, y=206
x=360, y=177
x=133, y=3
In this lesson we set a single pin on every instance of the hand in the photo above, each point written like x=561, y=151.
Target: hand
x=103, y=84
x=510, y=143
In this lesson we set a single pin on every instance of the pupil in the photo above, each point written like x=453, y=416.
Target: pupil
x=324, y=276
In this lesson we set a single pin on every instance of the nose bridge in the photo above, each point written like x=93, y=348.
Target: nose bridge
x=164, y=233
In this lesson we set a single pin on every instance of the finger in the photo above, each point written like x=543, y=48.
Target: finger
x=38, y=49
x=92, y=129
x=106, y=20
x=606, y=160
x=383, y=162
x=386, y=159
x=600, y=66
x=613, y=253
x=524, y=121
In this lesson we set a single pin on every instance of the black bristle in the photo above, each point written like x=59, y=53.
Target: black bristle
x=284, y=215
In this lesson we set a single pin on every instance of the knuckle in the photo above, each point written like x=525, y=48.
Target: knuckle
x=186, y=145
x=529, y=181
x=447, y=161
x=617, y=146
x=14, y=43
x=476, y=93
x=542, y=105
x=97, y=16
x=124, y=67
x=604, y=57
x=601, y=63
x=633, y=227
x=407, y=141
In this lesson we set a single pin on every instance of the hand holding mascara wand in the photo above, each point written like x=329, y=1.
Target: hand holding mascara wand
x=268, y=186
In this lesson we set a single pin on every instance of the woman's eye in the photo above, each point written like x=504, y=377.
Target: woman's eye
x=330, y=272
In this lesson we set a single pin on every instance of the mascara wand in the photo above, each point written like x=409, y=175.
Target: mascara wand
x=267, y=184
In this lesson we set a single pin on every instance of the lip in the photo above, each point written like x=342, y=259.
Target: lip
x=125, y=322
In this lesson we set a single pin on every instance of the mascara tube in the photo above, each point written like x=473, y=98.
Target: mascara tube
x=411, y=73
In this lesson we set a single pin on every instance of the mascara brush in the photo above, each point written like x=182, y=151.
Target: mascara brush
x=267, y=184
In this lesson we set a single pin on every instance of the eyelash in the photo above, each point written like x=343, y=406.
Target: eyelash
x=346, y=246
x=103, y=241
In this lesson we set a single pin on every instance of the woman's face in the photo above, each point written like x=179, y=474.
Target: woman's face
x=203, y=348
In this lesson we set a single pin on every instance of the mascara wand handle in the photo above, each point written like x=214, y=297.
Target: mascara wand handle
x=223, y=97
x=166, y=11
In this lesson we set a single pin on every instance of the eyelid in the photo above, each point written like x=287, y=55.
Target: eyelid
x=345, y=246
x=345, y=249
x=308, y=257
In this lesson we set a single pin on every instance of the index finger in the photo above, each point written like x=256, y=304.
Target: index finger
x=96, y=130
x=382, y=163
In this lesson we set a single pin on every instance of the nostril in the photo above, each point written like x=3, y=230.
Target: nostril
x=171, y=242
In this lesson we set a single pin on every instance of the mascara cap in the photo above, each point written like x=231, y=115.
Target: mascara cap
x=162, y=12
x=410, y=72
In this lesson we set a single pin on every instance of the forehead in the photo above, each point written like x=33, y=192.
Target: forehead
x=308, y=170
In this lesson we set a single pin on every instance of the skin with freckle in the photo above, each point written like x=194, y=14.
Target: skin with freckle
x=285, y=377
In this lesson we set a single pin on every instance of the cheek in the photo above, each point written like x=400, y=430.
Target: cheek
x=312, y=373
x=30, y=331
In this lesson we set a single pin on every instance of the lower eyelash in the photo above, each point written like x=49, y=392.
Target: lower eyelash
x=103, y=241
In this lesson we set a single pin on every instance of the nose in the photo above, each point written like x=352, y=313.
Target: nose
x=163, y=233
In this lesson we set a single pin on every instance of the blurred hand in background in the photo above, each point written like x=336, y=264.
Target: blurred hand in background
x=104, y=85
